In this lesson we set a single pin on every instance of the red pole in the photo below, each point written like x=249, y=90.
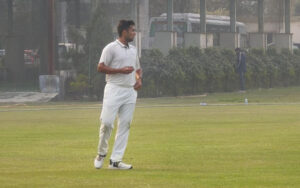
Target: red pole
x=51, y=38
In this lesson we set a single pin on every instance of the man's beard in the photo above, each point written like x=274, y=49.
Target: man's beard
x=129, y=39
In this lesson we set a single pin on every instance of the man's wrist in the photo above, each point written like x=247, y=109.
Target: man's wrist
x=138, y=78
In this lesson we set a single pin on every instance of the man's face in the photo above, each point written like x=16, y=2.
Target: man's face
x=130, y=33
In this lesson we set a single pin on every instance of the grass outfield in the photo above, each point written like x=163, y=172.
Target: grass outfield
x=53, y=145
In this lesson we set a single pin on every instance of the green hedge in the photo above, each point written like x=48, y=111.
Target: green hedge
x=194, y=71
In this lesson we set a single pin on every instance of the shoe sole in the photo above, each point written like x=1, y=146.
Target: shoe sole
x=115, y=168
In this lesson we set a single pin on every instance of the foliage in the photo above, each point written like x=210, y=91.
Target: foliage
x=194, y=71
x=80, y=85
x=75, y=36
x=99, y=33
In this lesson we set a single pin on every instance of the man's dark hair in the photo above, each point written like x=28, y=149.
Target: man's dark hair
x=124, y=25
x=237, y=50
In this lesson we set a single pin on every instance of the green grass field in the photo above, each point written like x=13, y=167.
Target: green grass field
x=174, y=142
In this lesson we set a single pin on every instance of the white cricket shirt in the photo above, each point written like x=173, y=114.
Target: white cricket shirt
x=117, y=55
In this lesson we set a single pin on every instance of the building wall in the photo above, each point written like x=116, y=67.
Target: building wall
x=275, y=27
x=295, y=28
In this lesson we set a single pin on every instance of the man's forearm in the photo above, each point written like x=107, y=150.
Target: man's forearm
x=138, y=77
x=138, y=74
x=107, y=70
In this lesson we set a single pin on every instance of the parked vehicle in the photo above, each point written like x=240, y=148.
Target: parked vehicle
x=31, y=57
x=190, y=22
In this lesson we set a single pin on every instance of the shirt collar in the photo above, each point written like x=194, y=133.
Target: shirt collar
x=122, y=45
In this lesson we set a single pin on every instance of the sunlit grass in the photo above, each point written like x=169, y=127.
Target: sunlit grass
x=196, y=146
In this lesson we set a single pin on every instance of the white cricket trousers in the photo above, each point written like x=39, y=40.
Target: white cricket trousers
x=117, y=102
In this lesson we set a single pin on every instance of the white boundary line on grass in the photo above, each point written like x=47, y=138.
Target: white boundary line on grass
x=151, y=106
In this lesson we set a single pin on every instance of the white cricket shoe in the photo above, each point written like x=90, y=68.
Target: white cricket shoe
x=98, y=162
x=119, y=165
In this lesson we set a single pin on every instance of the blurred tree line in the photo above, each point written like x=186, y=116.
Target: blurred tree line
x=194, y=71
x=26, y=22
x=184, y=71
x=24, y=26
x=98, y=34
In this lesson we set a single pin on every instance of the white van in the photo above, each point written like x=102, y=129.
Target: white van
x=190, y=22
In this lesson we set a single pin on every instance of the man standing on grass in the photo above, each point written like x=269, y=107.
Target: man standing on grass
x=241, y=67
x=119, y=61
